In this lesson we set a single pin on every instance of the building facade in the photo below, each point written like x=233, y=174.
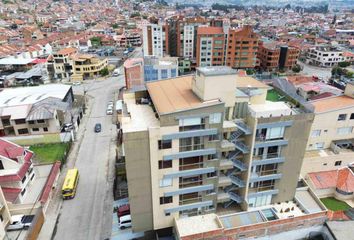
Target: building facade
x=324, y=56
x=160, y=68
x=155, y=40
x=208, y=149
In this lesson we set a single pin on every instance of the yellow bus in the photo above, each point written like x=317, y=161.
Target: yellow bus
x=70, y=183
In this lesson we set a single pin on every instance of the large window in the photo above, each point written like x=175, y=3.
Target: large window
x=275, y=133
x=189, y=144
x=316, y=133
x=344, y=130
x=23, y=131
x=342, y=117
x=319, y=145
x=164, y=73
x=20, y=121
x=165, y=164
x=166, y=182
x=215, y=118
x=260, y=201
x=165, y=144
x=188, y=124
x=165, y=200
x=173, y=73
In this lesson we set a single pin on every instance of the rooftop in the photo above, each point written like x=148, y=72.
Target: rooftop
x=209, y=30
x=66, y=51
x=30, y=95
x=332, y=104
x=249, y=82
x=175, y=94
x=198, y=224
x=216, y=70
x=270, y=109
x=160, y=61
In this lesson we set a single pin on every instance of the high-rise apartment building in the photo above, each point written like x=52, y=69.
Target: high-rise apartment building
x=209, y=143
x=155, y=40
x=242, y=48
x=210, y=46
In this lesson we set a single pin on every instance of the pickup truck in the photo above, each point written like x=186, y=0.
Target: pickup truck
x=19, y=222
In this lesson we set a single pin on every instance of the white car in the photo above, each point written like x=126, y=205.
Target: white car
x=20, y=222
x=125, y=222
x=109, y=111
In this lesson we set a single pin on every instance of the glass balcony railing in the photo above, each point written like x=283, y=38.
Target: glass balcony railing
x=267, y=156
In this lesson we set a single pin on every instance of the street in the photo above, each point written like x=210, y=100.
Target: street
x=324, y=73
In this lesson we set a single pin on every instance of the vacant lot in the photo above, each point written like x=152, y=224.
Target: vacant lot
x=49, y=153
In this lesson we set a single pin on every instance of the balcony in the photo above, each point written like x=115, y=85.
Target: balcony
x=263, y=142
x=190, y=200
x=268, y=159
x=264, y=176
x=227, y=146
x=225, y=164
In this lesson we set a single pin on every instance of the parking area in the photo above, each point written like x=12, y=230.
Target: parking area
x=18, y=235
x=119, y=234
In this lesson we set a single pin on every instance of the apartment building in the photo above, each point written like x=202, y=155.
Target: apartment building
x=324, y=56
x=160, y=68
x=62, y=66
x=242, y=48
x=211, y=143
x=36, y=110
x=330, y=144
x=155, y=40
x=183, y=35
x=210, y=46
x=86, y=66
x=274, y=56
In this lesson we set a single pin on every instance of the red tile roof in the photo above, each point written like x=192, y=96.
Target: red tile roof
x=50, y=182
x=10, y=150
x=11, y=194
x=209, y=30
x=342, y=179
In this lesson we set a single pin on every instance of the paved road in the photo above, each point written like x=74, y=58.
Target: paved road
x=88, y=215
x=324, y=73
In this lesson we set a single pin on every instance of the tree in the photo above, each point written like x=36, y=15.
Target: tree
x=104, y=72
x=344, y=64
x=250, y=71
x=296, y=68
x=115, y=25
x=96, y=41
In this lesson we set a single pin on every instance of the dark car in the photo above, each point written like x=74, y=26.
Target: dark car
x=98, y=127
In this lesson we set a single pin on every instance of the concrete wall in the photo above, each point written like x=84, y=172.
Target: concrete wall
x=137, y=154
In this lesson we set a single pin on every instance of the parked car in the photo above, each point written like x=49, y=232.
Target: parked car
x=21, y=221
x=68, y=127
x=98, y=127
x=110, y=104
x=125, y=221
x=123, y=210
x=109, y=111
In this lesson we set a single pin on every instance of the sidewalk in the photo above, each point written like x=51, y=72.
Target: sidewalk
x=53, y=210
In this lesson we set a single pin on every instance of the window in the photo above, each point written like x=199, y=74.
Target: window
x=165, y=144
x=165, y=200
x=22, y=131
x=45, y=129
x=23, y=179
x=351, y=116
x=164, y=73
x=275, y=132
x=23, y=192
x=166, y=182
x=212, y=174
x=30, y=122
x=344, y=130
x=213, y=137
x=218, y=42
x=165, y=164
x=173, y=73
x=338, y=163
x=188, y=124
x=20, y=121
x=319, y=145
x=342, y=117
x=215, y=118
x=316, y=133
x=35, y=129
x=40, y=121
x=1, y=165
x=167, y=214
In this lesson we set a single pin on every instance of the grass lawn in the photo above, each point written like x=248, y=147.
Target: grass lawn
x=49, y=153
x=274, y=96
x=334, y=204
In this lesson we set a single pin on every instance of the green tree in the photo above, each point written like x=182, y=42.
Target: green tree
x=344, y=64
x=115, y=25
x=104, y=72
x=296, y=68
x=96, y=41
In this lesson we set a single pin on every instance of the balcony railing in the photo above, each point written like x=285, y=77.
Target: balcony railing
x=240, y=145
x=238, y=182
x=268, y=156
x=238, y=164
x=235, y=197
x=261, y=138
x=190, y=166
x=190, y=200
x=243, y=126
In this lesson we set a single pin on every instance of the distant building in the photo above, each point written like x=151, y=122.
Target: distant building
x=324, y=56
x=155, y=40
x=160, y=68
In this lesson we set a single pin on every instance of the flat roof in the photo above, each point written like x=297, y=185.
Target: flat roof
x=270, y=109
x=249, y=82
x=209, y=30
x=341, y=229
x=16, y=61
x=331, y=104
x=241, y=219
x=175, y=94
x=30, y=95
x=197, y=224
x=216, y=70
